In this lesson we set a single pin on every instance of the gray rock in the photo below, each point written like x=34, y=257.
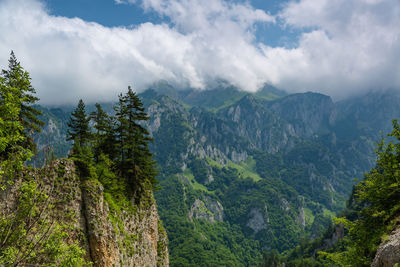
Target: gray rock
x=388, y=253
x=208, y=209
x=256, y=220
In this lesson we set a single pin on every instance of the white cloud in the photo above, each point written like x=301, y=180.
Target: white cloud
x=70, y=59
x=208, y=15
x=349, y=46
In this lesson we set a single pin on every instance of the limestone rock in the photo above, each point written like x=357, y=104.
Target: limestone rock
x=388, y=253
x=256, y=220
x=208, y=209
x=131, y=238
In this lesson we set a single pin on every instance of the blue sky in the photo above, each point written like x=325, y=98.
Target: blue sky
x=94, y=49
x=111, y=14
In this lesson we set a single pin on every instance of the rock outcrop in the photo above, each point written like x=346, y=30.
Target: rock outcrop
x=388, y=253
x=208, y=209
x=111, y=236
x=256, y=220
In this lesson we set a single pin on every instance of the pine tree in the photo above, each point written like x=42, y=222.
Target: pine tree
x=79, y=125
x=120, y=132
x=103, y=131
x=16, y=77
x=12, y=152
x=100, y=119
x=135, y=161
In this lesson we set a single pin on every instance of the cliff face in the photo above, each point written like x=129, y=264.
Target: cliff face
x=111, y=236
x=388, y=253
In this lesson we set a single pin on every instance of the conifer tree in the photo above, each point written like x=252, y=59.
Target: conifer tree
x=100, y=119
x=16, y=77
x=135, y=161
x=103, y=131
x=79, y=132
x=12, y=152
x=374, y=207
x=121, y=129
x=79, y=125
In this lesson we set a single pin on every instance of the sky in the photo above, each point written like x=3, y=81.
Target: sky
x=94, y=49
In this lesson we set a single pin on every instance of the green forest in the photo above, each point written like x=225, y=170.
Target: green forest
x=271, y=207
x=110, y=151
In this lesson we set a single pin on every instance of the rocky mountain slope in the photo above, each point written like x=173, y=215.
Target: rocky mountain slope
x=241, y=173
x=388, y=253
x=109, y=235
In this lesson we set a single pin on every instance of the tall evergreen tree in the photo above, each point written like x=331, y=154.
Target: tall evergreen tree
x=136, y=162
x=103, y=132
x=16, y=77
x=12, y=138
x=79, y=125
x=80, y=132
x=100, y=119
x=121, y=134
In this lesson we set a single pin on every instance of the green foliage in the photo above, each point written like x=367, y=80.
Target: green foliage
x=83, y=159
x=18, y=119
x=294, y=169
x=271, y=259
x=79, y=125
x=33, y=234
x=199, y=242
x=79, y=132
x=171, y=142
x=119, y=144
x=374, y=204
x=103, y=132
x=135, y=162
x=18, y=81
x=199, y=167
x=30, y=236
x=12, y=153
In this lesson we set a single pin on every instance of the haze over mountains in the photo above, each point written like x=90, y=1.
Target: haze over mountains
x=340, y=48
x=263, y=115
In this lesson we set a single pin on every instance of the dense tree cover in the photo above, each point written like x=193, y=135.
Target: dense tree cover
x=119, y=142
x=112, y=150
x=18, y=119
x=372, y=212
x=181, y=136
x=294, y=169
x=17, y=78
x=27, y=236
x=271, y=184
x=198, y=242
x=239, y=195
x=102, y=135
x=374, y=206
x=79, y=125
x=171, y=143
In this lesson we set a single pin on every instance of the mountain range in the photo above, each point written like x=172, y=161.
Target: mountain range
x=241, y=173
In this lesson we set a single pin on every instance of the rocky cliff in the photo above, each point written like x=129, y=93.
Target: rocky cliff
x=388, y=253
x=275, y=166
x=110, y=235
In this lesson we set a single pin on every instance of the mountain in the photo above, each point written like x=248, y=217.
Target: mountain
x=366, y=233
x=242, y=172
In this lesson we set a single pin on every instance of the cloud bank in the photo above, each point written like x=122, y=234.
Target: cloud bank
x=347, y=46
x=354, y=46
